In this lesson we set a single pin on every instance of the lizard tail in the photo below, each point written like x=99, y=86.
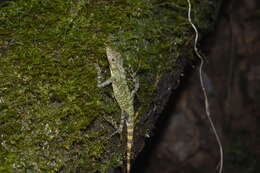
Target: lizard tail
x=130, y=130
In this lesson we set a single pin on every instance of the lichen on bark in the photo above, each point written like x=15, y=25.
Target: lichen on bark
x=52, y=115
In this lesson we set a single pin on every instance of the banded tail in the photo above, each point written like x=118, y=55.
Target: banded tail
x=130, y=130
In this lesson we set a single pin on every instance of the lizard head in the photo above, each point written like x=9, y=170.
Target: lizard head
x=114, y=58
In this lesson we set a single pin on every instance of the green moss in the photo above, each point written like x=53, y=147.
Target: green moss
x=52, y=115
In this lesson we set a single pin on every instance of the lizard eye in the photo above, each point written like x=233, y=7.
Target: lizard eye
x=113, y=60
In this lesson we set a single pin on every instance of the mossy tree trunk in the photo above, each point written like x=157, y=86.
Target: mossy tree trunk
x=52, y=115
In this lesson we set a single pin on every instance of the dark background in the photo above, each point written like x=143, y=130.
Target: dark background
x=183, y=141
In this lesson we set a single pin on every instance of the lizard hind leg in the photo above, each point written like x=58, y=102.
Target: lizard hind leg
x=119, y=129
x=122, y=122
x=137, y=85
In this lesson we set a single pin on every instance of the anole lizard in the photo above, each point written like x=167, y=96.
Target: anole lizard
x=123, y=96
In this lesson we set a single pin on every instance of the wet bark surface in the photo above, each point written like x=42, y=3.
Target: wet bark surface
x=183, y=140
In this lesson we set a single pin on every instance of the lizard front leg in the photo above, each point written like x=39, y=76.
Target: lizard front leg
x=99, y=78
x=101, y=84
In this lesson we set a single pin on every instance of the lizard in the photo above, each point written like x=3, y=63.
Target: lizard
x=123, y=96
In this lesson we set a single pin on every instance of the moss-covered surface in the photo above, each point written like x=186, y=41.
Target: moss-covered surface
x=52, y=115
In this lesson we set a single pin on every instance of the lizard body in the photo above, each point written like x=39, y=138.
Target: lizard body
x=123, y=96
